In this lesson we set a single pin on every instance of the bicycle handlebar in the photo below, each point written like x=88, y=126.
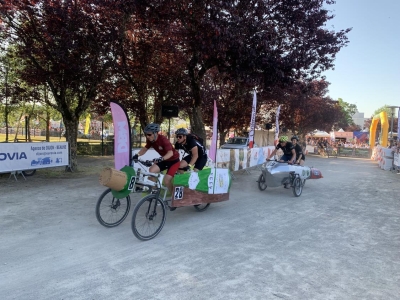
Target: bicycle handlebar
x=147, y=163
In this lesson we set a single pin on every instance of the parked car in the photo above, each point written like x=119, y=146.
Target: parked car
x=237, y=143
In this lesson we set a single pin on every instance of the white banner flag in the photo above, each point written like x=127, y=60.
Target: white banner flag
x=253, y=120
x=277, y=125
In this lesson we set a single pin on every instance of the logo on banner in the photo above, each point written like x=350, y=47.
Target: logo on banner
x=12, y=156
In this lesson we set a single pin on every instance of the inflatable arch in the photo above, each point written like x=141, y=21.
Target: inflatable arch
x=384, y=131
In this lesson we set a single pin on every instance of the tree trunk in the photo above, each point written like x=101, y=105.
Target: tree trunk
x=197, y=124
x=222, y=137
x=71, y=136
x=47, y=126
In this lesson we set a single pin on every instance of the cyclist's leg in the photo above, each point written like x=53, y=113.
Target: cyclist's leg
x=184, y=163
x=284, y=158
x=172, y=169
x=200, y=163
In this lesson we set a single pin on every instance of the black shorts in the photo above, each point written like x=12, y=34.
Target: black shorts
x=200, y=162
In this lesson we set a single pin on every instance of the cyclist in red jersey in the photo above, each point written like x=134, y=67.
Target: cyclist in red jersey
x=169, y=159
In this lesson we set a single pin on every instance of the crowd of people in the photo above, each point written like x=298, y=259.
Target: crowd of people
x=325, y=142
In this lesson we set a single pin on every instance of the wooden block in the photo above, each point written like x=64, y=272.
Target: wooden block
x=184, y=196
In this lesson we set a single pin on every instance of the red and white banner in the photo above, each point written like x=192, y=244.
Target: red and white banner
x=277, y=125
x=253, y=121
x=213, y=148
x=122, y=136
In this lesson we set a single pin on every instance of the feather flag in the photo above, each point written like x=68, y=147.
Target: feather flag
x=213, y=147
x=253, y=121
x=277, y=125
x=398, y=126
x=122, y=136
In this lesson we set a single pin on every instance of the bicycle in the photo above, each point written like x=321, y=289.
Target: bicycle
x=112, y=211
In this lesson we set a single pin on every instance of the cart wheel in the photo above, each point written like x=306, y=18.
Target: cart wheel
x=29, y=172
x=297, y=187
x=262, y=185
x=201, y=207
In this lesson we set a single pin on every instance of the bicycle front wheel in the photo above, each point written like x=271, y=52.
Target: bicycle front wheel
x=262, y=185
x=111, y=211
x=148, y=217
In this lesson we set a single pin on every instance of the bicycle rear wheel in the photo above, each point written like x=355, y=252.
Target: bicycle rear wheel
x=297, y=187
x=111, y=211
x=201, y=207
x=148, y=217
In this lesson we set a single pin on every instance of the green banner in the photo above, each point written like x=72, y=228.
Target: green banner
x=209, y=180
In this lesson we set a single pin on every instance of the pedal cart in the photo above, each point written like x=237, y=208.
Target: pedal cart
x=275, y=174
x=197, y=189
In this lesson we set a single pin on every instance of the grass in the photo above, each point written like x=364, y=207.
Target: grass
x=21, y=138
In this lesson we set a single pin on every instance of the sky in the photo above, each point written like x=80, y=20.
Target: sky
x=367, y=71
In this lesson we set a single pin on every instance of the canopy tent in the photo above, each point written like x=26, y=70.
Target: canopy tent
x=320, y=134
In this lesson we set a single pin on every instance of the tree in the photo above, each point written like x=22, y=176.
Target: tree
x=257, y=42
x=305, y=107
x=67, y=45
x=348, y=110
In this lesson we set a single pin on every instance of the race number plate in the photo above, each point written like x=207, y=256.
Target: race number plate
x=131, y=183
x=178, y=193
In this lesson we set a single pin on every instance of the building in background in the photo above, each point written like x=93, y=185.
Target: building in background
x=358, y=119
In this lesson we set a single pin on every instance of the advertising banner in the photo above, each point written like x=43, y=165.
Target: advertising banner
x=26, y=156
x=122, y=136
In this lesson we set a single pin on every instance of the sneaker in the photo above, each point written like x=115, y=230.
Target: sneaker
x=286, y=186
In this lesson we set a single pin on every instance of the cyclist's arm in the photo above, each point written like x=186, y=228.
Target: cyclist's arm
x=195, y=155
x=272, y=154
x=169, y=154
x=293, y=156
x=142, y=151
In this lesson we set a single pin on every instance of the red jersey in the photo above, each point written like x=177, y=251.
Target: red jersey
x=162, y=146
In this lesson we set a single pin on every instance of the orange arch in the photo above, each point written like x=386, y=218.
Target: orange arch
x=384, y=129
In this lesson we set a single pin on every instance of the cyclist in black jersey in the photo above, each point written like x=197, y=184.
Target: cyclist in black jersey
x=197, y=157
x=289, y=154
x=300, y=157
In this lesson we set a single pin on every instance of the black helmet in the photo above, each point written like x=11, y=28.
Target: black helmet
x=152, y=127
x=181, y=131
x=294, y=138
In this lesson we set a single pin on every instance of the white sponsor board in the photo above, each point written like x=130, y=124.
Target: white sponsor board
x=26, y=156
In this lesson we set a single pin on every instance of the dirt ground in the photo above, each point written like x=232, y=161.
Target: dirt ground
x=339, y=240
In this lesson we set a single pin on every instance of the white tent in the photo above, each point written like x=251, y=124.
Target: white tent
x=320, y=134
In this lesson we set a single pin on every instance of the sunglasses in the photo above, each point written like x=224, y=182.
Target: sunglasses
x=149, y=134
x=179, y=136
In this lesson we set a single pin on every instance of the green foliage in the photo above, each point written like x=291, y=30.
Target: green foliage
x=381, y=109
x=348, y=110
